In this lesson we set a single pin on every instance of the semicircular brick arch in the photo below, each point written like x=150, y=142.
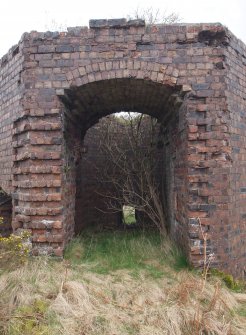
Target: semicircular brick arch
x=156, y=72
x=87, y=103
x=100, y=75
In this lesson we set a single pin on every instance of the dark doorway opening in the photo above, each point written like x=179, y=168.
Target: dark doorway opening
x=84, y=109
x=5, y=214
x=121, y=175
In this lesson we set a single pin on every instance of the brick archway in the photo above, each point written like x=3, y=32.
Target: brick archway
x=202, y=66
x=84, y=105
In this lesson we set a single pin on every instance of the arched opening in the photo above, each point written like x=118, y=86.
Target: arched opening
x=120, y=177
x=89, y=103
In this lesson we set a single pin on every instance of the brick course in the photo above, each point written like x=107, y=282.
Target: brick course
x=55, y=86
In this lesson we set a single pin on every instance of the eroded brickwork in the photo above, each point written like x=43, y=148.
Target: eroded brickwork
x=235, y=199
x=57, y=85
x=11, y=94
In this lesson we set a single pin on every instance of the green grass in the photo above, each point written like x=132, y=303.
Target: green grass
x=229, y=281
x=33, y=319
x=130, y=219
x=133, y=250
x=242, y=310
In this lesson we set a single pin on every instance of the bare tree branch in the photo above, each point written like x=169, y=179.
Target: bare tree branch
x=130, y=173
x=154, y=16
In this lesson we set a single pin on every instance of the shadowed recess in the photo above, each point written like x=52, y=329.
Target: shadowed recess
x=88, y=103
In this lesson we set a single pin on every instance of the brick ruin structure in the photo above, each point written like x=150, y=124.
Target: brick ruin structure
x=191, y=77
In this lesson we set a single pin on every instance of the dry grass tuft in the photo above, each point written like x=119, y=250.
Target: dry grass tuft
x=116, y=303
x=46, y=297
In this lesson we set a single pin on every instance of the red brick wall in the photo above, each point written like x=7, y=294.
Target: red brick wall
x=235, y=65
x=92, y=208
x=11, y=93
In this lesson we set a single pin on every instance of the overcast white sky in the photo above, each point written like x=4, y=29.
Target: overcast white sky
x=19, y=16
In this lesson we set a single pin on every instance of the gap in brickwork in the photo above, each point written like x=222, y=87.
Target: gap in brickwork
x=129, y=215
x=5, y=214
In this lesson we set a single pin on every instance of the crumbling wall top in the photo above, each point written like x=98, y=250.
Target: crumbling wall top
x=115, y=23
x=206, y=33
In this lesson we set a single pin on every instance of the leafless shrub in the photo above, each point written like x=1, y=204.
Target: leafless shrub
x=130, y=173
x=154, y=16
